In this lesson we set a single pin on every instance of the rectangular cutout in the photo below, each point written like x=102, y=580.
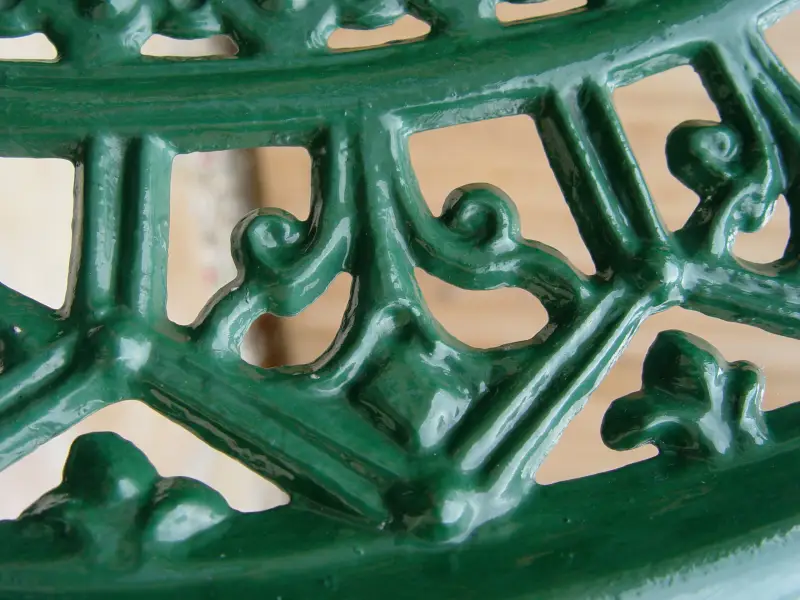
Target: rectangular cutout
x=649, y=110
x=215, y=46
x=210, y=193
x=405, y=29
x=36, y=207
x=513, y=12
x=35, y=47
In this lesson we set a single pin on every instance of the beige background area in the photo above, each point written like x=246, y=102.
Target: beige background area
x=211, y=192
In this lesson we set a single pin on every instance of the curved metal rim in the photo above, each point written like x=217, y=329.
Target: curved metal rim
x=621, y=544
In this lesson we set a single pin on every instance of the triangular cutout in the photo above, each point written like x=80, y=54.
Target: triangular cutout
x=580, y=451
x=483, y=319
x=769, y=243
x=36, y=206
x=172, y=450
x=508, y=153
x=275, y=341
x=36, y=46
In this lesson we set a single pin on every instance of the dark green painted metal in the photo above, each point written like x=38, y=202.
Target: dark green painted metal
x=410, y=457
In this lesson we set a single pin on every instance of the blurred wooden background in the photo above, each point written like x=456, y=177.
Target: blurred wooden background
x=212, y=191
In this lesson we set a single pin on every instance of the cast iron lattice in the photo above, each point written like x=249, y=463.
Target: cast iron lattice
x=410, y=458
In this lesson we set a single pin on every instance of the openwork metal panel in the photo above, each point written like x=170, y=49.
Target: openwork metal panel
x=409, y=456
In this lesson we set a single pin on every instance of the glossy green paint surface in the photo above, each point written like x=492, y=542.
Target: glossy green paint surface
x=410, y=457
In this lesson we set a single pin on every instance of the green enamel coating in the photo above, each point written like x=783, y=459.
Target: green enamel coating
x=409, y=456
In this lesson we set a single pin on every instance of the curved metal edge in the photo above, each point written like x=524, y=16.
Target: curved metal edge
x=584, y=538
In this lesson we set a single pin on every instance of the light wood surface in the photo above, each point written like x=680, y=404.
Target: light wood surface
x=504, y=152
